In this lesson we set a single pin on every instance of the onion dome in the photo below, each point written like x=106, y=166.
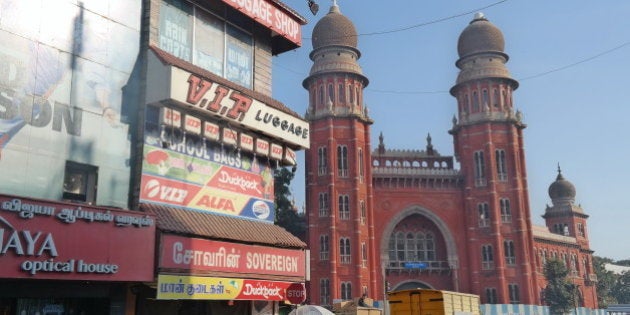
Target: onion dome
x=481, y=54
x=335, y=47
x=561, y=188
x=480, y=36
x=334, y=29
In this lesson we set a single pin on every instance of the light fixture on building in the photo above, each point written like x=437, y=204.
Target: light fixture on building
x=313, y=6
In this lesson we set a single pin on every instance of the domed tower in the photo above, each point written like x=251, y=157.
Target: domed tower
x=568, y=240
x=488, y=142
x=564, y=217
x=338, y=179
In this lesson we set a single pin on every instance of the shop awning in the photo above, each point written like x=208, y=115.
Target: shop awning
x=188, y=222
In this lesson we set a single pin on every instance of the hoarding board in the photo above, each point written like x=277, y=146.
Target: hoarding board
x=208, y=178
x=172, y=287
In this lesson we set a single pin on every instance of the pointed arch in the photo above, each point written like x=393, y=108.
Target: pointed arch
x=449, y=240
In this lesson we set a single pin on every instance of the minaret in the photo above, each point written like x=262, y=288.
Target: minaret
x=564, y=217
x=488, y=139
x=338, y=179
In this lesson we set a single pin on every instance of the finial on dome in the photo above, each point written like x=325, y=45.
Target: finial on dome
x=334, y=8
x=479, y=16
x=559, y=173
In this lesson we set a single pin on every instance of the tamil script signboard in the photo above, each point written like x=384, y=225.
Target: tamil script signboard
x=172, y=287
x=54, y=240
x=207, y=255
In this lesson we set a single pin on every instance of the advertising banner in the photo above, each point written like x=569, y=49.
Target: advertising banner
x=232, y=105
x=61, y=83
x=210, y=288
x=204, y=255
x=54, y=240
x=207, y=178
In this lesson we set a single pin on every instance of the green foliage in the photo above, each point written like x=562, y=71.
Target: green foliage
x=287, y=215
x=560, y=293
x=605, y=282
x=625, y=262
x=621, y=289
x=611, y=288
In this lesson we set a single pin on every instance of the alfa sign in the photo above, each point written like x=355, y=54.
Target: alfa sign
x=296, y=293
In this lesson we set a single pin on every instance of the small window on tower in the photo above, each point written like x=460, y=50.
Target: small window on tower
x=79, y=182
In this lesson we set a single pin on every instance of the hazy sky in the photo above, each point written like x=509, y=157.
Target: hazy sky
x=570, y=57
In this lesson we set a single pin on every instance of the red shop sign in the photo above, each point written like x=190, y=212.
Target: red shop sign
x=55, y=240
x=206, y=255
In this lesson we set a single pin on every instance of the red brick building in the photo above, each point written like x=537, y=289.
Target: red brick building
x=409, y=218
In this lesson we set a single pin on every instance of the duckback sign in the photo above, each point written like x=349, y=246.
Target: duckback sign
x=213, y=180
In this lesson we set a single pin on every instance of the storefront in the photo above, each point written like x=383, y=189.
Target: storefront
x=212, y=138
x=198, y=275
x=64, y=258
x=209, y=154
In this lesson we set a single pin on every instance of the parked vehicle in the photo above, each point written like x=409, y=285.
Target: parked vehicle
x=432, y=302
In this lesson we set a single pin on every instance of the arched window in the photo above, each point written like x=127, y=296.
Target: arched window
x=411, y=247
x=342, y=161
x=514, y=294
x=484, y=101
x=501, y=164
x=510, y=254
x=322, y=161
x=411, y=254
x=495, y=98
x=324, y=292
x=363, y=212
x=480, y=169
x=323, y=204
x=361, y=172
x=506, y=214
x=346, y=291
x=400, y=246
x=475, y=102
x=321, y=96
x=487, y=257
x=344, y=250
x=323, y=247
x=484, y=214
x=351, y=94
x=466, y=108
x=344, y=207
x=491, y=296
x=425, y=246
x=341, y=94
x=364, y=255
x=331, y=93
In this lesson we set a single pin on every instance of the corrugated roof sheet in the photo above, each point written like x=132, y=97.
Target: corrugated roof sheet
x=182, y=221
x=171, y=60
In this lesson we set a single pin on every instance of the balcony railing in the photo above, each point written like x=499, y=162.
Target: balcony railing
x=431, y=266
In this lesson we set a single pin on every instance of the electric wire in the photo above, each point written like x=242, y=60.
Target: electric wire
x=432, y=22
x=544, y=73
